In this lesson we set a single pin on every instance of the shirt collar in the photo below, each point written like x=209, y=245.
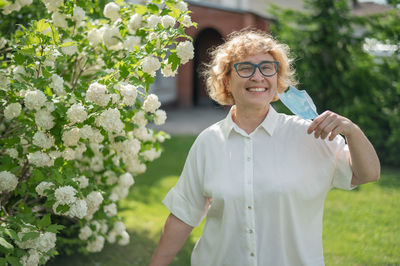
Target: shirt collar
x=268, y=124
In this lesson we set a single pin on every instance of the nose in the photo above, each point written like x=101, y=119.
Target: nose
x=257, y=75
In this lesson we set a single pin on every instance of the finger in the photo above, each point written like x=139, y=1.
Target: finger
x=328, y=128
x=317, y=121
x=336, y=131
x=321, y=130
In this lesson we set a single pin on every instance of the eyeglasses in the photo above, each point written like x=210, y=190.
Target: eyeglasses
x=247, y=69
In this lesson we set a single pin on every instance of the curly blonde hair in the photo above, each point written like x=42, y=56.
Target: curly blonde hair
x=238, y=45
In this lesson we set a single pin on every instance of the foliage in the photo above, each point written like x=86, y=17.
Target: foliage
x=74, y=111
x=333, y=65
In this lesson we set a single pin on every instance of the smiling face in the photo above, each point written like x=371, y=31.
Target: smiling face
x=255, y=92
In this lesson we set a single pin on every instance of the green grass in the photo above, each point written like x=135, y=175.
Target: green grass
x=361, y=227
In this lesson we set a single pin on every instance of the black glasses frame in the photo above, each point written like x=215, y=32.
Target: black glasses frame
x=255, y=66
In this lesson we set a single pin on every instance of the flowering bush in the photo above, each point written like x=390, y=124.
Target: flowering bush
x=73, y=114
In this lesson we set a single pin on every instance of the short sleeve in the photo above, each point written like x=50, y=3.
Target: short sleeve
x=186, y=200
x=342, y=172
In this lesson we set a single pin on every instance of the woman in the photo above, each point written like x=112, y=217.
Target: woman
x=260, y=176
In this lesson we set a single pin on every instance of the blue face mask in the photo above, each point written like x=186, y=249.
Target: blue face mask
x=299, y=102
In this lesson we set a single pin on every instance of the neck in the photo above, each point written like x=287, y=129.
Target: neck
x=249, y=119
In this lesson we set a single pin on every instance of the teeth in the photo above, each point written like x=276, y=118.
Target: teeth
x=256, y=89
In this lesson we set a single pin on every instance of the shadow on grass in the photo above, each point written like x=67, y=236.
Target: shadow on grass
x=137, y=252
x=391, y=178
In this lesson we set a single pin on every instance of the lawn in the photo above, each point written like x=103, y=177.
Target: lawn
x=361, y=227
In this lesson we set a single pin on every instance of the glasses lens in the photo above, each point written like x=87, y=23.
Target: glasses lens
x=268, y=68
x=245, y=69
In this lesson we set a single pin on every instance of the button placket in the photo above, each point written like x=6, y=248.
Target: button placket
x=250, y=219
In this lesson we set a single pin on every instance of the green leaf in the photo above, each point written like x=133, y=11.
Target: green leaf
x=174, y=60
x=54, y=228
x=140, y=9
x=19, y=59
x=123, y=70
x=13, y=261
x=30, y=235
x=62, y=208
x=5, y=244
x=3, y=262
x=153, y=8
x=11, y=233
x=45, y=221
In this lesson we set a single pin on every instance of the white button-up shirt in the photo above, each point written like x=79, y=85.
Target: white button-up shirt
x=263, y=193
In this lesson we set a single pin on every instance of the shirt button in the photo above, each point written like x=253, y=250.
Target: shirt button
x=249, y=159
x=252, y=254
x=250, y=231
x=249, y=207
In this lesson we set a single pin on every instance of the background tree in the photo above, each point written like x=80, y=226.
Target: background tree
x=340, y=75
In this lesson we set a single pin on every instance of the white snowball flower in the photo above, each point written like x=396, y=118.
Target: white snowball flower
x=142, y=134
x=97, y=245
x=65, y=195
x=24, y=2
x=150, y=65
x=34, y=99
x=97, y=93
x=70, y=49
x=151, y=155
x=129, y=92
x=112, y=237
x=12, y=111
x=13, y=153
x=111, y=178
x=93, y=201
x=119, y=227
x=167, y=70
x=151, y=104
x=185, y=51
x=52, y=5
x=40, y=189
x=124, y=239
x=135, y=22
x=4, y=81
x=44, y=119
x=40, y=159
x=160, y=117
x=110, y=120
x=85, y=232
x=111, y=11
x=40, y=139
x=131, y=42
x=59, y=20
x=182, y=6
x=167, y=21
x=95, y=36
x=152, y=21
x=111, y=36
x=186, y=21
x=57, y=84
x=76, y=113
x=71, y=137
x=83, y=181
x=32, y=259
x=110, y=209
x=78, y=14
x=51, y=57
x=140, y=119
x=118, y=193
x=19, y=73
x=8, y=181
x=78, y=209
x=3, y=42
x=126, y=180
x=46, y=241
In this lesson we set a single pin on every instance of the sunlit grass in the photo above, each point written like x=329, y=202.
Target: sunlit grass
x=361, y=227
